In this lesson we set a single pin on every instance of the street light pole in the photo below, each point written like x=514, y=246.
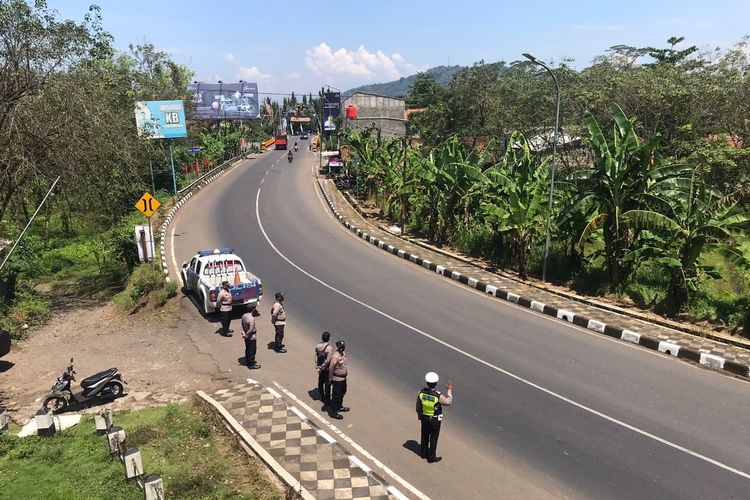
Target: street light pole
x=554, y=155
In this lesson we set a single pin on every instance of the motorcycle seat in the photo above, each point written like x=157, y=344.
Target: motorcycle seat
x=97, y=377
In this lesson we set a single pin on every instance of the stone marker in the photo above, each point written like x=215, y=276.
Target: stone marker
x=133, y=463
x=153, y=487
x=45, y=425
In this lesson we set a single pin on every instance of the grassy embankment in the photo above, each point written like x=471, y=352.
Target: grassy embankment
x=186, y=444
x=74, y=259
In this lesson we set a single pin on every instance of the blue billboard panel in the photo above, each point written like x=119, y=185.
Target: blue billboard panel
x=225, y=101
x=160, y=119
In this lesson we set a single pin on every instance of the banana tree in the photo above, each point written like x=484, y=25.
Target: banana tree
x=698, y=218
x=618, y=182
x=517, y=207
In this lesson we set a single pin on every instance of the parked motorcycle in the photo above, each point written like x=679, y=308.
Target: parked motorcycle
x=104, y=385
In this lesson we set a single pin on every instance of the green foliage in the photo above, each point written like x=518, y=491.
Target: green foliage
x=186, y=444
x=28, y=310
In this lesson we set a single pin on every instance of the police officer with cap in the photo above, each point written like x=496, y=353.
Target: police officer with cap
x=338, y=370
x=430, y=404
x=278, y=319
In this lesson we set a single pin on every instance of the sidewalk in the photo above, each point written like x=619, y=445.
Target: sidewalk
x=298, y=448
x=707, y=352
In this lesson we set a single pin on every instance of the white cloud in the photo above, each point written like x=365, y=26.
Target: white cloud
x=230, y=57
x=252, y=74
x=357, y=65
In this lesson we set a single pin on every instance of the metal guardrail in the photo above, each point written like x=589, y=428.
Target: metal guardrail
x=268, y=142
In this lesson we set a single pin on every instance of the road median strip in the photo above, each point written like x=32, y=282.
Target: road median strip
x=697, y=355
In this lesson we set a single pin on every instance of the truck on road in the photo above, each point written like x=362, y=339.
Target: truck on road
x=204, y=273
x=281, y=141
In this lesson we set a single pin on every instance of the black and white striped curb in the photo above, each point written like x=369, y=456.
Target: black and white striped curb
x=173, y=211
x=704, y=358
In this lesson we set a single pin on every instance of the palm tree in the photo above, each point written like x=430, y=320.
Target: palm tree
x=695, y=217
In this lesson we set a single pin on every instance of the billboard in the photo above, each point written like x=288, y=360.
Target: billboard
x=160, y=119
x=331, y=109
x=225, y=101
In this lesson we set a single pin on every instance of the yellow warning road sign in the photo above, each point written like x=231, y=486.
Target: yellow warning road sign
x=147, y=204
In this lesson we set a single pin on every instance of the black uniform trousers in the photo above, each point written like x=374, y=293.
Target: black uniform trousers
x=338, y=389
x=279, y=337
x=430, y=434
x=251, y=347
x=324, y=387
x=225, y=319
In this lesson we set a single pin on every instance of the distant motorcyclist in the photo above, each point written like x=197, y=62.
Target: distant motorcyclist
x=290, y=157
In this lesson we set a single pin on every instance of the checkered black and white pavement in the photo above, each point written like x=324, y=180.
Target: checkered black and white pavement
x=311, y=455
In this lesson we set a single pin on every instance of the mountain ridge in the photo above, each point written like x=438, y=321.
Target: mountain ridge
x=399, y=88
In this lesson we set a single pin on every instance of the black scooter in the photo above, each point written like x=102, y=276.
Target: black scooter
x=104, y=385
x=290, y=158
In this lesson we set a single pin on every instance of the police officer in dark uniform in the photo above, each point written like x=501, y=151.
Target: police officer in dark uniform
x=430, y=404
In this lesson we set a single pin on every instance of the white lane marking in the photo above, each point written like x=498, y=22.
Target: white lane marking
x=263, y=179
x=359, y=463
x=251, y=381
x=301, y=415
x=353, y=444
x=495, y=367
x=171, y=250
x=326, y=436
x=273, y=393
x=393, y=491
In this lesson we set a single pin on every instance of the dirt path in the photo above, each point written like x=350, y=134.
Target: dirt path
x=157, y=359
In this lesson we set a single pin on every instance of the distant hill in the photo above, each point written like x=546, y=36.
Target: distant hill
x=399, y=88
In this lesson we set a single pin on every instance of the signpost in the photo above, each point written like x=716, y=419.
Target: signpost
x=147, y=205
x=194, y=150
x=162, y=120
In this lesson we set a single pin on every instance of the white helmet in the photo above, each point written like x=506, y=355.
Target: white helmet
x=431, y=378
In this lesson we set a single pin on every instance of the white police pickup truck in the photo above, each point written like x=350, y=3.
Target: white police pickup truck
x=208, y=268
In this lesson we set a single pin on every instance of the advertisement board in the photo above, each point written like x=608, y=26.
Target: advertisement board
x=331, y=109
x=160, y=119
x=225, y=101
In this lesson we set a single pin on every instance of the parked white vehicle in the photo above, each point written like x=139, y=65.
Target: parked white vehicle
x=208, y=268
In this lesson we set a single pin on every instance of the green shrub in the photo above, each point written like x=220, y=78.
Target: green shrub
x=124, y=302
x=145, y=279
x=29, y=309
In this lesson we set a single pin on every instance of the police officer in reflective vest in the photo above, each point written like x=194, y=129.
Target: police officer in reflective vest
x=430, y=404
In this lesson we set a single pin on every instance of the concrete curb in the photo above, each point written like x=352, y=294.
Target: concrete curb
x=257, y=449
x=709, y=360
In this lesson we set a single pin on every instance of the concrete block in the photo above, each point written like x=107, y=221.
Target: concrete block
x=597, y=326
x=712, y=361
x=631, y=336
x=668, y=348
x=133, y=463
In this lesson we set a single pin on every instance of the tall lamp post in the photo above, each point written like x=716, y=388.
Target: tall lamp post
x=554, y=155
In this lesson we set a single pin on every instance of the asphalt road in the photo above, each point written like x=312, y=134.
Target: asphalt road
x=542, y=408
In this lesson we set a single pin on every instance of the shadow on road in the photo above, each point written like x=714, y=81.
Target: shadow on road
x=314, y=394
x=413, y=446
x=6, y=365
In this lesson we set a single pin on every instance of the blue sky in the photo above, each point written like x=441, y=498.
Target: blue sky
x=301, y=46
